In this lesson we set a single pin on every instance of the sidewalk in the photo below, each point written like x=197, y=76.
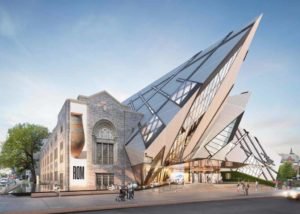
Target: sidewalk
x=159, y=196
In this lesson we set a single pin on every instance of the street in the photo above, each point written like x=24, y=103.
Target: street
x=244, y=206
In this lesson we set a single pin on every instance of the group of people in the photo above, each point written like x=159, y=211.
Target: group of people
x=126, y=192
x=244, y=187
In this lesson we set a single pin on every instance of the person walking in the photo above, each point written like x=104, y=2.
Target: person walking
x=130, y=191
x=238, y=186
x=247, y=189
x=243, y=187
x=256, y=186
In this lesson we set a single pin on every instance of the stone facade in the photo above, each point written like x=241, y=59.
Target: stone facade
x=98, y=110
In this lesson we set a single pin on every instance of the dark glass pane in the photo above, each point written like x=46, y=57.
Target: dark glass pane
x=111, y=153
x=105, y=153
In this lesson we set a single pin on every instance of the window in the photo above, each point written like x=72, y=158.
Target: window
x=61, y=129
x=103, y=180
x=55, y=154
x=105, y=153
x=61, y=147
x=61, y=180
x=55, y=176
x=61, y=158
x=105, y=133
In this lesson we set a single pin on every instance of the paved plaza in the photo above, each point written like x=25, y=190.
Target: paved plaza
x=158, y=196
x=269, y=205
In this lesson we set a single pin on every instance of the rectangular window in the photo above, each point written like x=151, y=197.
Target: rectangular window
x=111, y=153
x=61, y=147
x=61, y=180
x=105, y=153
x=55, y=154
x=103, y=180
x=61, y=158
x=55, y=176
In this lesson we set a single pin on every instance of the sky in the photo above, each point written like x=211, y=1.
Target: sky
x=54, y=50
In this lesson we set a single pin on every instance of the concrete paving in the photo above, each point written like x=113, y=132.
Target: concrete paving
x=268, y=205
x=159, y=196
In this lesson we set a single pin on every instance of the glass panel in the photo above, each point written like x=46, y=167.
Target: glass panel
x=199, y=107
x=138, y=103
x=149, y=94
x=99, y=153
x=111, y=179
x=157, y=101
x=105, y=153
x=111, y=153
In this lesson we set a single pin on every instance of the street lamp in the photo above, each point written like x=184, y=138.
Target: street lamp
x=298, y=170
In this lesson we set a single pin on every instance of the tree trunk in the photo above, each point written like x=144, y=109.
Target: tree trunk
x=33, y=175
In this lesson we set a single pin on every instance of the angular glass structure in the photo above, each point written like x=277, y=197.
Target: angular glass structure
x=189, y=116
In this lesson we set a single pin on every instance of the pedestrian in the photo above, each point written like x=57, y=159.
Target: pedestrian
x=130, y=190
x=238, y=186
x=247, y=189
x=243, y=187
x=256, y=186
x=127, y=191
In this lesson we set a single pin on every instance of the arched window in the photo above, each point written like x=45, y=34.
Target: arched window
x=104, y=143
x=105, y=133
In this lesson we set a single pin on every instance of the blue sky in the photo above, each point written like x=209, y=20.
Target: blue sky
x=53, y=50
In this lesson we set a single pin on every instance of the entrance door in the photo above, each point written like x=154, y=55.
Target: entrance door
x=104, y=180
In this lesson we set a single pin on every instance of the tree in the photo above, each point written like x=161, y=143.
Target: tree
x=286, y=171
x=23, y=141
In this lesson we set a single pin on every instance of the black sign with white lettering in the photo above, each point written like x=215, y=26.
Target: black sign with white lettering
x=78, y=172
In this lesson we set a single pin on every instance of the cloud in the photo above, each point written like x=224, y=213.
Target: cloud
x=276, y=122
x=36, y=101
x=7, y=26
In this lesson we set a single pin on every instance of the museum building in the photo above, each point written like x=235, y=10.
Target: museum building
x=183, y=127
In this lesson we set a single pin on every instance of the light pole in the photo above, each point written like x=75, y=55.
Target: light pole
x=298, y=170
x=124, y=159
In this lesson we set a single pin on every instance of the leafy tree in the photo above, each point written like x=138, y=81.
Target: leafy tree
x=23, y=141
x=286, y=171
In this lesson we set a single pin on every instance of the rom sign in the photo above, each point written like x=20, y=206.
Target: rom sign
x=78, y=172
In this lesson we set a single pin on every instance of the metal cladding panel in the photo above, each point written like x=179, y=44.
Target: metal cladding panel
x=233, y=107
x=221, y=155
x=275, y=157
x=253, y=150
x=171, y=115
x=202, y=153
x=216, y=58
x=168, y=135
x=168, y=111
x=267, y=174
x=237, y=155
x=222, y=91
x=135, y=150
